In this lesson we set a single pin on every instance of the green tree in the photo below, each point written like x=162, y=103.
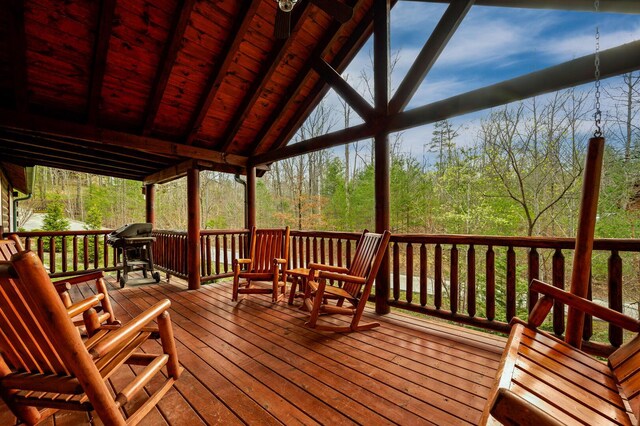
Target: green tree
x=55, y=219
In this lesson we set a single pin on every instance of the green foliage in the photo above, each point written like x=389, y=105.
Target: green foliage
x=55, y=219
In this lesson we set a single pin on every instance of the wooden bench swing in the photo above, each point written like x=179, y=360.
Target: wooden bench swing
x=543, y=380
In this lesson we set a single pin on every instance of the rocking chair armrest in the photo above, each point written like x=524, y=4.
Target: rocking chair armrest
x=62, y=287
x=278, y=261
x=92, y=276
x=584, y=305
x=328, y=268
x=84, y=305
x=130, y=328
x=510, y=408
x=342, y=277
x=242, y=261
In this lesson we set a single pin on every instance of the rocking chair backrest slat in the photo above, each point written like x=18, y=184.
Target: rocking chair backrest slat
x=363, y=258
x=26, y=342
x=7, y=249
x=266, y=245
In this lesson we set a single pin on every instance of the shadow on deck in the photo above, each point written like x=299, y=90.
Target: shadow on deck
x=255, y=363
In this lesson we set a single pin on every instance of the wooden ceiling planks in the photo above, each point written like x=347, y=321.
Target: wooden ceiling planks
x=59, y=40
x=140, y=31
x=179, y=72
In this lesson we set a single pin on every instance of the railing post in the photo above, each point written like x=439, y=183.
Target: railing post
x=534, y=274
x=453, y=280
x=615, y=295
x=558, y=281
x=424, y=288
x=471, y=281
x=491, y=284
x=511, y=283
x=193, y=228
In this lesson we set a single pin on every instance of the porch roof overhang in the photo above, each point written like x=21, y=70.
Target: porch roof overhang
x=145, y=90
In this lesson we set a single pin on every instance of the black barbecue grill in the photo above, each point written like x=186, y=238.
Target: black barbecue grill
x=134, y=243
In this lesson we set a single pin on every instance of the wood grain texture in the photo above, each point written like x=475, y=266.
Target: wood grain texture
x=255, y=363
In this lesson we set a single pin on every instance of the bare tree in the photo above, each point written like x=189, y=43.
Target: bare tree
x=534, y=150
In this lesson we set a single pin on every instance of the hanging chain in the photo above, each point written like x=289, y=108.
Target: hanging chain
x=598, y=114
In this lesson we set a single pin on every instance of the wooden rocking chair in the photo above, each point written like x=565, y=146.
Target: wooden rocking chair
x=46, y=365
x=268, y=262
x=354, y=285
x=12, y=246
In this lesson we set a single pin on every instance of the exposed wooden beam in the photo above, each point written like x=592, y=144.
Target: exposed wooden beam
x=100, y=50
x=329, y=140
x=614, y=61
x=167, y=61
x=343, y=88
x=613, y=6
x=48, y=126
x=235, y=37
x=170, y=173
x=279, y=50
x=430, y=52
x=339, y=62
x=18, y=46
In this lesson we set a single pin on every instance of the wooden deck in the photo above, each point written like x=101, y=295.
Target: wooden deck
x=255, y=363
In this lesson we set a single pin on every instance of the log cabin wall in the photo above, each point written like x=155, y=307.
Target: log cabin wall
x=5, y=203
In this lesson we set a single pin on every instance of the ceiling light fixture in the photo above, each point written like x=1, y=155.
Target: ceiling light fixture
x=286, y=5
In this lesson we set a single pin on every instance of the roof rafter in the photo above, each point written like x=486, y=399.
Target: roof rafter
x=169, y=56
x=105, y=25
x=270, y=66
x=236, y=35
x=344, y=89
x=614, y=61
x=614, y=6
x=430, y=52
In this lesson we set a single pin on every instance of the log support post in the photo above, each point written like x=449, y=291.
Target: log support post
x=193, y=228
x=251, y=197
x=150, y=203
x=381, y=49
x=584, y=239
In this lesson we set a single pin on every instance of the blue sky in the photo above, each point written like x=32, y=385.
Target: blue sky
x=492, y=44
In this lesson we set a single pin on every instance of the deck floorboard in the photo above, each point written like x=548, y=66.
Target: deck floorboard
x=254, y=362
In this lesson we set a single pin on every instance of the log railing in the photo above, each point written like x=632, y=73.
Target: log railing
x=66, y=253
x=483, y=281
x=170, y=252
x=474, y=280
x=218, y=248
